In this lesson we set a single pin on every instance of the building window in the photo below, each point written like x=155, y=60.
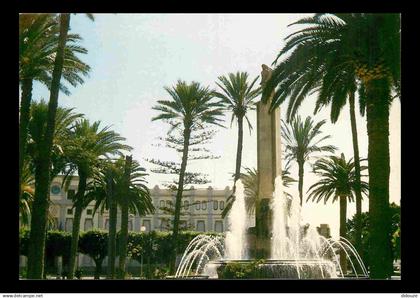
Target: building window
x=55, y=189
x=204, y=205
x=197, y=205
x=70, y=194
x=89, y=212
x=107, y=224
x=168, y=204
x=201, y=226
x=88, y=224
x=222, y=205
x=147, y=225
x=130, y=225
x=215, y=205
x=162, y=204
x=69, y=224
x=218, y=226
x=186, y=205
x=70, y=211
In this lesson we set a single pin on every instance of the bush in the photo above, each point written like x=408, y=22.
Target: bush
x=239, y=270
x=23, y=241
x=57, y=245
x=94, y=243
x=155, y=248
x=78, y=273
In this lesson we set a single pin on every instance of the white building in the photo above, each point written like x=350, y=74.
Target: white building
x=201, y=210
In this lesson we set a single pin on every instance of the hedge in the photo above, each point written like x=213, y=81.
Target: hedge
x=154, y=247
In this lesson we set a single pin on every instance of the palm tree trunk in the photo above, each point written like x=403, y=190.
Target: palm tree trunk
x=301, y=167
x=187, y=133
x=343, y=231
x=112, y=230
x=78, y=202
x=98, y=268
x=124, y=218
x=74, y=240
x=25, y=106
x=239, y=149
x=37, y=236
x=358, y=222
x=377, y=112
x=40, y=204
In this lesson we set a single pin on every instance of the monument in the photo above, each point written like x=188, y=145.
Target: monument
x=279, y=246
x=269, y=167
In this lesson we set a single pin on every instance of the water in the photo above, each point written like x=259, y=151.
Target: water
x=297, y=251
x=236, y=247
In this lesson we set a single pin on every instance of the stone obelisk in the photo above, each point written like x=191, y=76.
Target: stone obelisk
x=269, y=167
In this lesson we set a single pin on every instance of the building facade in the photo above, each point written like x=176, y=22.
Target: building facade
x=201, y=210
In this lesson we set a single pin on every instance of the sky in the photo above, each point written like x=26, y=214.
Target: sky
x=134, y=56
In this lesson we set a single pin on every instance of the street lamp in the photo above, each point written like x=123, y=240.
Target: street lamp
x=142, y=230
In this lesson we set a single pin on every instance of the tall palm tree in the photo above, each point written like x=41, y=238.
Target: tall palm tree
x=37, y=124
x=339, y=182
x=238, y=96
x=38, y=40
x=190, y=108
x=325, y=70
x=134, y=196
x=300, y=140
x=38, y=220
x=104, y=195
x=369, y=44
x=85, y=145
x=108, y=189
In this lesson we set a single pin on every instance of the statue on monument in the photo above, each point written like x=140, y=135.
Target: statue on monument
x=265, y=73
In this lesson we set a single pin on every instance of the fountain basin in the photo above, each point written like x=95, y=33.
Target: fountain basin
x=269, y=269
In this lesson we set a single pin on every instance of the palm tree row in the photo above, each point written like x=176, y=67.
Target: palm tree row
x=192, y=106
x=83, y=147
x=54, y=139
x=335, y=55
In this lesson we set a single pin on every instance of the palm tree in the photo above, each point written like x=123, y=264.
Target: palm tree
x=301, y=144
x=37, y=124
x=339, y=182
x=104, y=195
x=38, y=39
x=368, y=45
x=40, y=204
x=108, y=189
x=85, y=145
x=190, y=108
x=238, y=96
x=326, y=70
x=134, y=196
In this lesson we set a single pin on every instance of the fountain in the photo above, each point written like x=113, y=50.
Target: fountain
x=279, y=246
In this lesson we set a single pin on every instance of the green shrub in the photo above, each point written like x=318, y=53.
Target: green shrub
x=94, y=243
x=239, y=270
x=154, y=247
x=78, y=273
x=57, y=245
x=23, y=241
